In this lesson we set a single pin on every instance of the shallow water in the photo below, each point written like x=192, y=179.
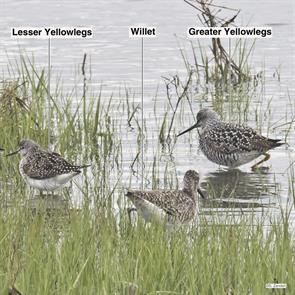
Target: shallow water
x=115, y=63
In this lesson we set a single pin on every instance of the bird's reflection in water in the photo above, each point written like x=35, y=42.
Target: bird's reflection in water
x=237, y=189
x=49, y=204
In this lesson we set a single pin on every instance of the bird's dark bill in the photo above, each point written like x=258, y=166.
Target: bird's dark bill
x=189, y=129
x=201, y=193
x=13, y=153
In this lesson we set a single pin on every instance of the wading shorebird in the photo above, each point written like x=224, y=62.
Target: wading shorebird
x=42, y=169
x=230, y=144
x=173, y=205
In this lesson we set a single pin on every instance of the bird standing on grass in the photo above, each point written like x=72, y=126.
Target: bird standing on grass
x=229, y=144
x=42, y=169
x=174, y=205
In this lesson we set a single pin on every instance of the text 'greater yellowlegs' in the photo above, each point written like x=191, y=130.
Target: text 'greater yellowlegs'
x=174, y=205
x=229, y=144
x=42, y=169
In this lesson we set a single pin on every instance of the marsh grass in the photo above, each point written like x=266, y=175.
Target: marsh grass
x=219, y=74
x=87, y=252
x=93, y=249
x=243, y=101
x=206, y=85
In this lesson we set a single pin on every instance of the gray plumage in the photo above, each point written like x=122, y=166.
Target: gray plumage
x=175, y=205
x=230, y=144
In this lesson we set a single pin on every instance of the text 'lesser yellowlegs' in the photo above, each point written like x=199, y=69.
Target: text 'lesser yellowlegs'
x=174, y=205
x=230, y=144
x=42, y=169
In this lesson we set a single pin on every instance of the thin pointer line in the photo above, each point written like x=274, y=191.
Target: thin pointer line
x=142, y=89
x=48, y=93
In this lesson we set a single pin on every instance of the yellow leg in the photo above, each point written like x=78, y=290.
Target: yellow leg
x=266, y=158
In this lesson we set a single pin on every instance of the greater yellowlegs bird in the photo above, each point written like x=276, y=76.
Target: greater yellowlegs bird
x=229, y=144
x=174, y=205
x=42, y=169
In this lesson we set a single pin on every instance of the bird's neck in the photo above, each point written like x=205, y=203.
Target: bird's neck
x=213, y=122
x=190, y=189
x=30, y=151
x=210, y=124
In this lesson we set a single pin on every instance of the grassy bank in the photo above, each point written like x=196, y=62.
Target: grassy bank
x=87, y=252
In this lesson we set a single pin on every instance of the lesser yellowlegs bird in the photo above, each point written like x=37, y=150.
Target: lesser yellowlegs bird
x=229, y=144
x=42, y=169
x=174, y=205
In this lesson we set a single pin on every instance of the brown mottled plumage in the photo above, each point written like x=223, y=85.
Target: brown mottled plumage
x=43, y=169
x=175, y=205
x=229, y=144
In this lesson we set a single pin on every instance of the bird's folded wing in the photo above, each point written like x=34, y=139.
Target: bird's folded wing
x=159, y=198
x=45, y=165
x=230, y=139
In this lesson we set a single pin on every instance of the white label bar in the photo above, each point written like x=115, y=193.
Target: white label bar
x=226, y=32
x=142, y=32
x=52, y=32
x=275, y=286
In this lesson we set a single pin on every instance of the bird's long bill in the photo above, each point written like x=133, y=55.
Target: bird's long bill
x=189, y=129
x=13, y=153
x=201, y=193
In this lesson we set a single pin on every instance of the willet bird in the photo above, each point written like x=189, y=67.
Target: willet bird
x=42, y=169
x=173, y=205
x=229, y=144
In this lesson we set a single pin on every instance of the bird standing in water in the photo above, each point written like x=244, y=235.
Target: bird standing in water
x=174, y=205
x=230, y=144
x=42, y=169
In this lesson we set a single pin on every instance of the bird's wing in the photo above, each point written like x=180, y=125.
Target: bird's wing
x=160, y=198
x=231, y=138
x=148, y=209
x=44, y=165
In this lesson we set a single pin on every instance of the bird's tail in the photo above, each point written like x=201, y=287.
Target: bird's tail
x=84, y=166
x=275, y=142
x=79, y=167
x=132, y=195
x=128, y=193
